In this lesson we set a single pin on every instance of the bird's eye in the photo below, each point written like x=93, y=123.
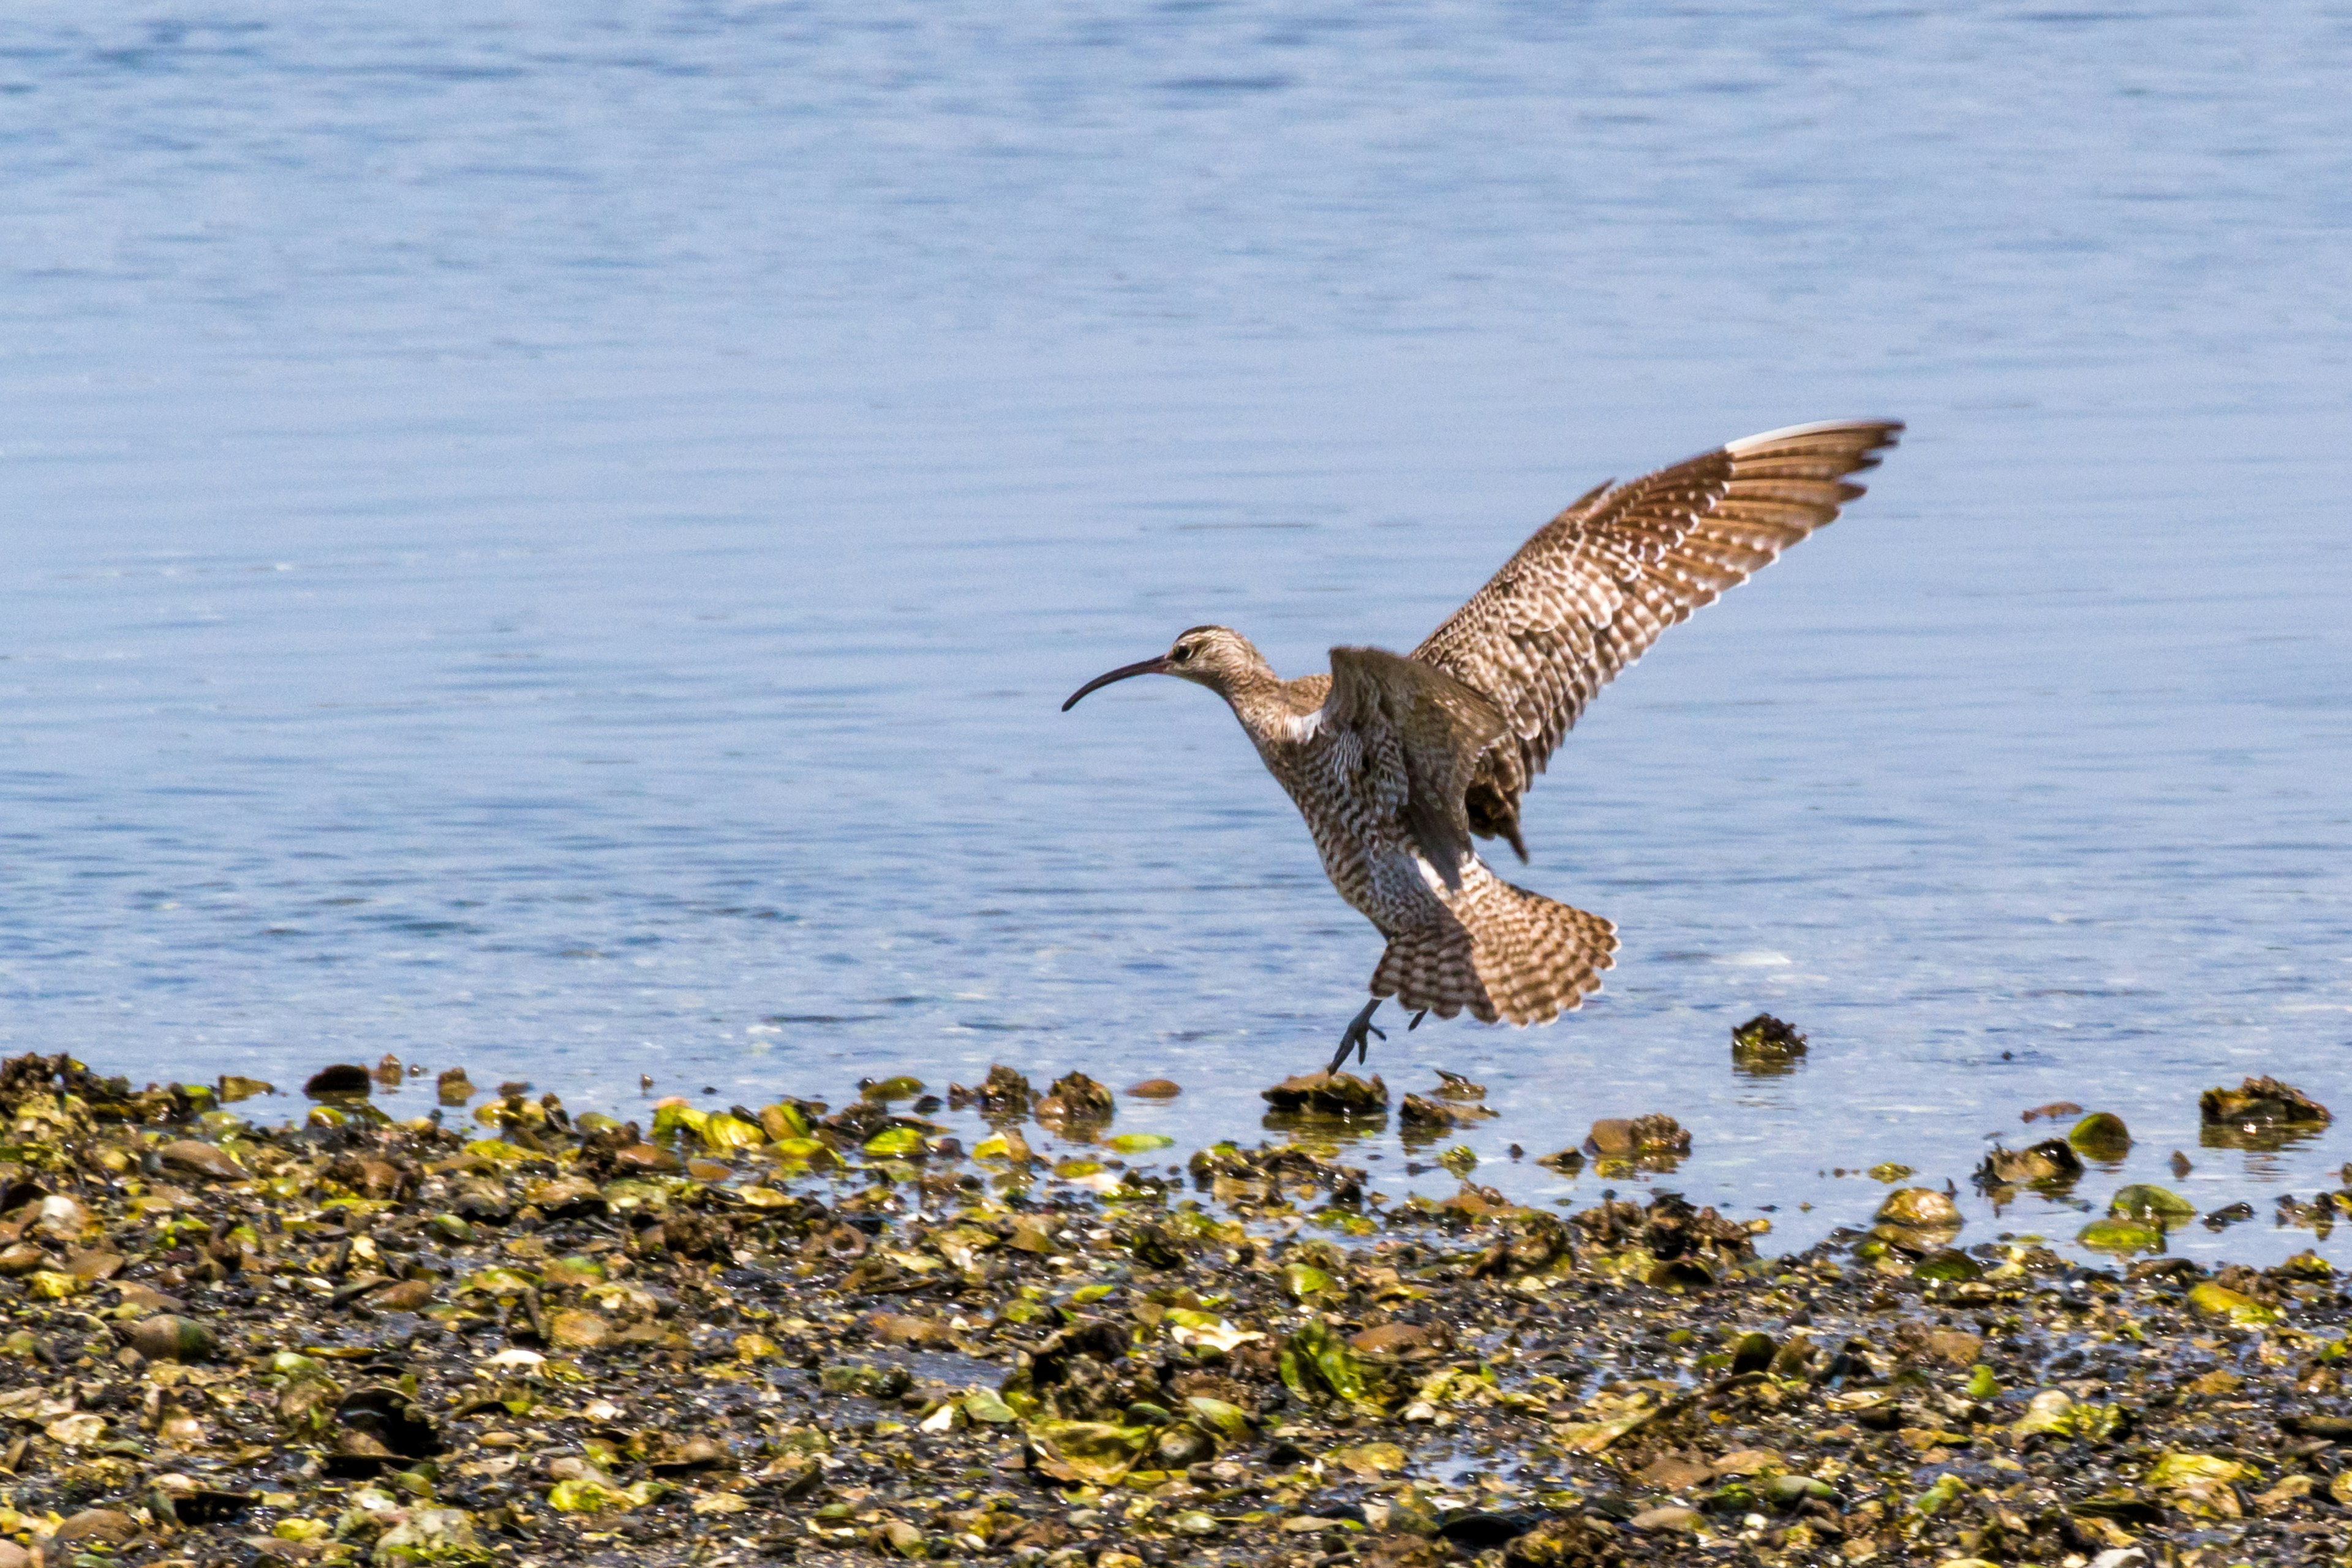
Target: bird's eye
x=1183, y=652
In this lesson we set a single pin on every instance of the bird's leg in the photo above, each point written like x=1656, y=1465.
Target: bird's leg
x=1358, y=1037
x=1417, y=1017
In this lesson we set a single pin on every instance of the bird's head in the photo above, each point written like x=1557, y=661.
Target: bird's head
x=1218, y=658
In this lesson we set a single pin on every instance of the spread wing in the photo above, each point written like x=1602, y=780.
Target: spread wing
x=1419, y=733
x=1591, y=591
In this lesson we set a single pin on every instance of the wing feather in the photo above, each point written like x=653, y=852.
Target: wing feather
x=1594, y=587
x=1424, y=731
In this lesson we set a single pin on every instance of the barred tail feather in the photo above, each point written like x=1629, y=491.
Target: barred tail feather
x=1505, y=954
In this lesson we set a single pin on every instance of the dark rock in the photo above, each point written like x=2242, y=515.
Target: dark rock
x=341, y=1081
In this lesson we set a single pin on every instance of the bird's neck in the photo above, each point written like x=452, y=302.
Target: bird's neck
x=1272, y=709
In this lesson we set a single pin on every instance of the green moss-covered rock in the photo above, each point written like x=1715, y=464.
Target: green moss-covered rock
x=2101, y=1135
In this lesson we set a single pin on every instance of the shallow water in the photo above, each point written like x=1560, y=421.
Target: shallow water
x=552, y=539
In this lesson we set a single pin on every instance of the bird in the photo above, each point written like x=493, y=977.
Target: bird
x=1398, y=762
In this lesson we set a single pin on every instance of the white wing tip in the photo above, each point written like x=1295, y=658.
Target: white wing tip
x=1882, y=433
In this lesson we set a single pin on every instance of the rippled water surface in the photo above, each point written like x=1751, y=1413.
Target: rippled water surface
x=551, y=537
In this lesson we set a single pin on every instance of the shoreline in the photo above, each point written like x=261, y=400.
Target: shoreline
x=827, y=1331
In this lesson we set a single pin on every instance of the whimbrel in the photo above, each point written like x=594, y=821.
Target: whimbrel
x=1397, y=761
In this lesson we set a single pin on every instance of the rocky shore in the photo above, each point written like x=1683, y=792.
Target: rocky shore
x=500, y=1333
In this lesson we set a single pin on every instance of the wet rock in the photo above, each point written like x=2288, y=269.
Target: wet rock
x=1652, y=1136
x=339, y=1082
x=2051, y=1163
x=1767, y=1045
x=1155, y=1089
x=388, y=1073
x=2180, y=1165
x=1920, y=1208
x=1566, y=1161
x=1330, y=1094
x=1438, y=1114
x=2122, y=1235
x=453, y=1088
x=2260, y=1104
x=1005, y=1093
x=2052, y=1111
x=2152, y=1204
x=1076, y=1101
x=2101, y=1135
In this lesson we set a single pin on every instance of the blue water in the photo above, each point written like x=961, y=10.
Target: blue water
x=550, y=537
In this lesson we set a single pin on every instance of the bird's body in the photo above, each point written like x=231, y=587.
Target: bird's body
x=1396, y=762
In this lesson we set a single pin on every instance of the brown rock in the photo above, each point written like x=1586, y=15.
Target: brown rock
x=1617, y=1138
x=904, y=1329
x=638, y=1159
x=22, y=1259
x=1330, y=1094
x=1076, y=1098
x=1419, y=1112
x=2261, y=1102
x=2052, y=1110
x=1658, y=1521
x=577, y=1329
x=109, y=1525
x=199, y=1159
x=1749, y=1462
x=167, y=1336
x=1155, y=1089
x=93, y=1264
x=1677, y=1472
x=1403, y=1340
x=149, y=1298
x=454, y=1087
x=402, y=1295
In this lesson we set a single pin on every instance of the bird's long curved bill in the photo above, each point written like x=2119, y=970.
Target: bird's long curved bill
x=1145, y=667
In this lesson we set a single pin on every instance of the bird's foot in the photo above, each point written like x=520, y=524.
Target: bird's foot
x=1358, y=1037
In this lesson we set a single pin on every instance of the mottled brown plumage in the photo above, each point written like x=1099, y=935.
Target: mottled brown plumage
x=1397, y=762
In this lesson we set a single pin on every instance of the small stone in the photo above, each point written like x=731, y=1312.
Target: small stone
x=1658, y=1521
x=2052, y=1111
x=453, y=1088
x=165, y=1336
x=1155, y=1089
